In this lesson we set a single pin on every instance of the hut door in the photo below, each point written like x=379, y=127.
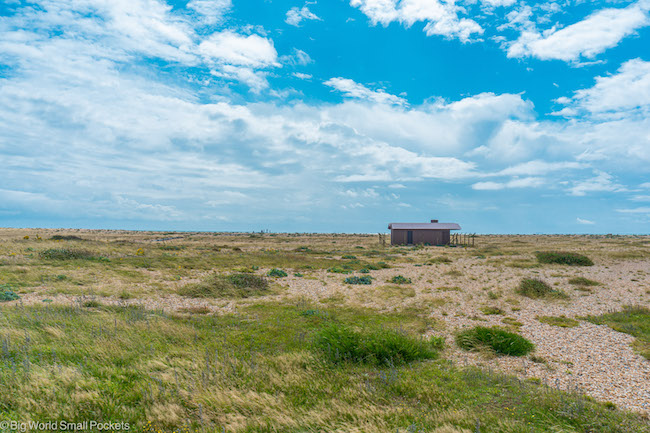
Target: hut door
x=409, y=237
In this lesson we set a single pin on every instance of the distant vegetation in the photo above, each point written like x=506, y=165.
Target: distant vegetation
x=497, y=339
x=358, y=280
x=278, y=273
x=66, y=254
x=563, y=258
x=398, y=279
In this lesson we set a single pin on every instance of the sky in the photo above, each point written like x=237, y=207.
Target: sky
x=504, y=116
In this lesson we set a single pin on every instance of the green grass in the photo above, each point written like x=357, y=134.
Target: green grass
x=536, y=288
x=66, y=254
x=501, y=341
x=633, y=320
x=492, y=311
x=339, y=343
x=582, y=281
x=258, y=371
x=561, y=321
x=563, y=258
x=239, y=285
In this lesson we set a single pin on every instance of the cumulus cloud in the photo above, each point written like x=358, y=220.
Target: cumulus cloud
x=210, y=11
x=587, y=38
x=352, y=89
x=297, y=15
x=441, y=18
x=624, y=93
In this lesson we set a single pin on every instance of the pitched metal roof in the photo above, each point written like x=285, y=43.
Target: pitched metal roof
x=423, y=226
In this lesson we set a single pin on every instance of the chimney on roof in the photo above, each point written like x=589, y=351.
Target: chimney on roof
x=434, y=221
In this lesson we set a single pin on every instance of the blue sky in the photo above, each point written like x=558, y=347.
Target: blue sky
x=341, y=116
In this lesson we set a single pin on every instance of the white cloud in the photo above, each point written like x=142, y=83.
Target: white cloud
x=644, y=210
x=210, y=11
x=624, y=93
x=537, y=167
x=583, y=221
x=599, y=183
x=587, y=38
x=297, y=15
x=234, y=49
x=525, y=182
x=352, y=89
x=302, y=76
x=441, y=18
x=498, y=3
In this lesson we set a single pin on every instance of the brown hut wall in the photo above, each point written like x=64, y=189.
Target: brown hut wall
x=432, y=237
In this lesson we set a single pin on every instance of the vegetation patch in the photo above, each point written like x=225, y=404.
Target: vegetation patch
x=7, y=295
x=439, y=259
x=358, y=280
x=339, y=343
x=492, y=310
x=239, y=285
x=66, y=238
x=495, y=338
x=536, y=288
x=398, y=279
x=277, y=273
x=633, y=320
x=66, y=254
x=582, y=281
x=563, y=258
x=561, y=321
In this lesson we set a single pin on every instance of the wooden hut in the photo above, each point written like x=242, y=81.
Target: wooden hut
x=433, y=233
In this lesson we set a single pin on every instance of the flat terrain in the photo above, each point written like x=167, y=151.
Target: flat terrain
x=160, y=330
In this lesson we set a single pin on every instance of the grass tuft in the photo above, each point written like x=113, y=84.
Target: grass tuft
x=536, y=288
x=398, y=279
x=499, y=340
x=227, y=286
x=339, y=343
x=563, y=258
x=66, y=254
x=561, y=321
x=582, y=281
x=277, y=273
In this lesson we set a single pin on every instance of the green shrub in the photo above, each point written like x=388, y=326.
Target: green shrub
x=563, y=258
x=358, y=280
x=499, y=340
x=582, y=281
x=364, y=271
x=8, y=296
x=339, y=343
x=278, y=273
x=536, y=288
x=348, y=256
x=66, y=238
x=398, y=279
x=227, y=286
x=340, y=270
x=66, y=254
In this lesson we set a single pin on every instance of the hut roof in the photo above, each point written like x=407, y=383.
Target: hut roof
x=423, y=226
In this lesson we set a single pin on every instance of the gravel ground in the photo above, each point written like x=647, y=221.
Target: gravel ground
x=590, y=358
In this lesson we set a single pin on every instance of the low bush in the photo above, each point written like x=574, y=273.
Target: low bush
x=582, y=281
x=277, y=273
x=227, y=286
x=348, y=256
x=495, y=338
x=340, y=270
x=66, y=254
x=536, y=288
x=398, y=279
x=8, y=296
x=358, y=280
x=339, y=343
x=66, y=238
x=563, y=258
